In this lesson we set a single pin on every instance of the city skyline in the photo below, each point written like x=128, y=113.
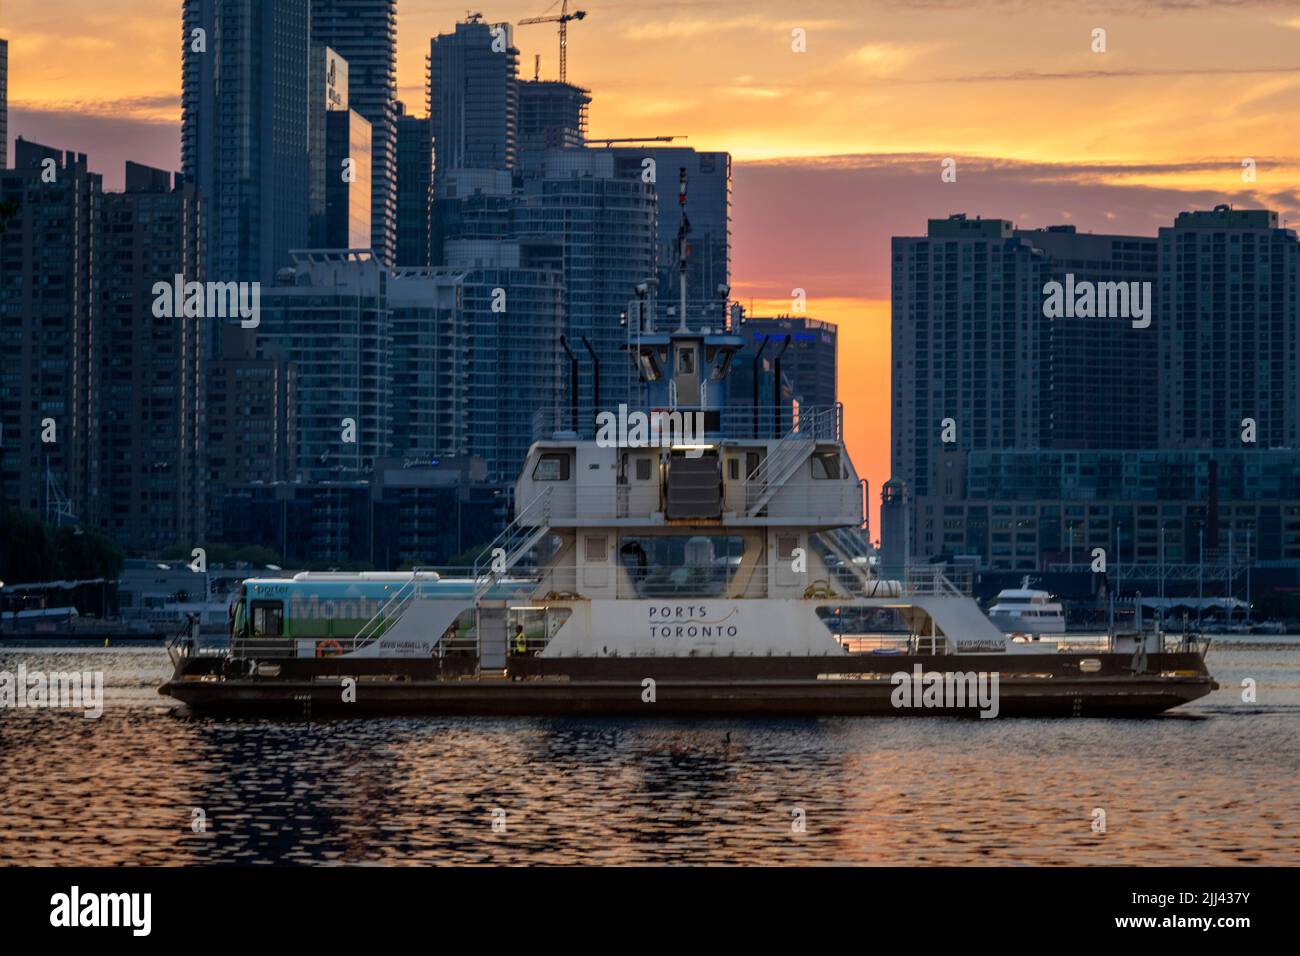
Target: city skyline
x=818, y=192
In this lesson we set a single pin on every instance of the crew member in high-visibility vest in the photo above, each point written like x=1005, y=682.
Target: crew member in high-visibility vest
x=521, y=642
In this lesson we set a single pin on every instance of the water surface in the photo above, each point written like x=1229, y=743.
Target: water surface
x=1216, y=782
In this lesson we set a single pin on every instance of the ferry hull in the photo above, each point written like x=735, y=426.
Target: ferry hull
x=753, y=688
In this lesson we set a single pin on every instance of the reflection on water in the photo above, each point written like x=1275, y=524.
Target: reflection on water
x=1217, y=785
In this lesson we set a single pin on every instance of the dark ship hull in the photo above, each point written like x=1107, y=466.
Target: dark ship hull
x=1027, y=685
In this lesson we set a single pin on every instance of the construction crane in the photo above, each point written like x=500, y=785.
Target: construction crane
x=563, y=20
x=632, y=139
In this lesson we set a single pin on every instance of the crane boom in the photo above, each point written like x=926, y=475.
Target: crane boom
x=562, y=19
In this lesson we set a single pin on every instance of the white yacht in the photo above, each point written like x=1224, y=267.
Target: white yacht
x=1024, y=610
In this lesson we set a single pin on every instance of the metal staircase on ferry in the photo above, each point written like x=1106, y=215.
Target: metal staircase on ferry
x=392, y=610
x=516, y=540
x=789, y=454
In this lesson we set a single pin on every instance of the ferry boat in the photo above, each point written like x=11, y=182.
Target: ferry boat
x=676, y=556
x=1024, y=610
x=675, y=578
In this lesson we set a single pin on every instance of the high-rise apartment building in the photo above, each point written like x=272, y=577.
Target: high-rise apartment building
x=708, y=211
x=597, y=228
x=473, y=98
x=552, y=115
x=4, y=104
x=248, y=424
x=245, y=130
x=364, y=32
x=429, y=381
x=149, y=369
x=1104, y=371
x=49, y=328
x=512, y=317
x=1228, y=320
x=329, y=318
x=474, y=347
x=414, y=189
x=971, y=349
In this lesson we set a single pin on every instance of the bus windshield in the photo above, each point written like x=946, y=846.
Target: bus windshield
x=238, y=617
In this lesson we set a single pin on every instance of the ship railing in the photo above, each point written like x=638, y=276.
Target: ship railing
x=874, y=643
x=813, y=501
x=513, y=543
x=937, y=580
x=737, y=422
x=721, y=578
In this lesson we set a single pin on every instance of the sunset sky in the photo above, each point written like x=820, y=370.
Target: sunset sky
x=837, y=148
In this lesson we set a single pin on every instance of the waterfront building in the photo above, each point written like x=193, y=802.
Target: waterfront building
x=1103, y=369
x=149, y=371
x=364, y=33
x=329, y=318
x=1029, y=510
x=408, y=513
x=414, y=189
x=552, y=115
x=708, y=209
x=1229, y=325
x=249, y=425
x=245, y=130
x=4, y=104
x=50, y=306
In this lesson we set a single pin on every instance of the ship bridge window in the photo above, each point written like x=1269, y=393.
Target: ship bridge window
x=643, y=469
x=552, y=466
x=686, y=361
x=268, y=619
x=826, y=464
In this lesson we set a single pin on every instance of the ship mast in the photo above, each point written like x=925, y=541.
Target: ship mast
x=682, y=231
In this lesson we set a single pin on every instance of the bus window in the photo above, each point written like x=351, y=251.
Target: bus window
x=268, y=619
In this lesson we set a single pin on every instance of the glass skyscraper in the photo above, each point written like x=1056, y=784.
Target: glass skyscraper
x=331, y=322
x=473, y=98
x=364, y=32
x=708, y=209
x=598, y=230
x=414, y=189
x=245, y=107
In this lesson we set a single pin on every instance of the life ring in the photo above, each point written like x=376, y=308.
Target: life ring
x=328, y=649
